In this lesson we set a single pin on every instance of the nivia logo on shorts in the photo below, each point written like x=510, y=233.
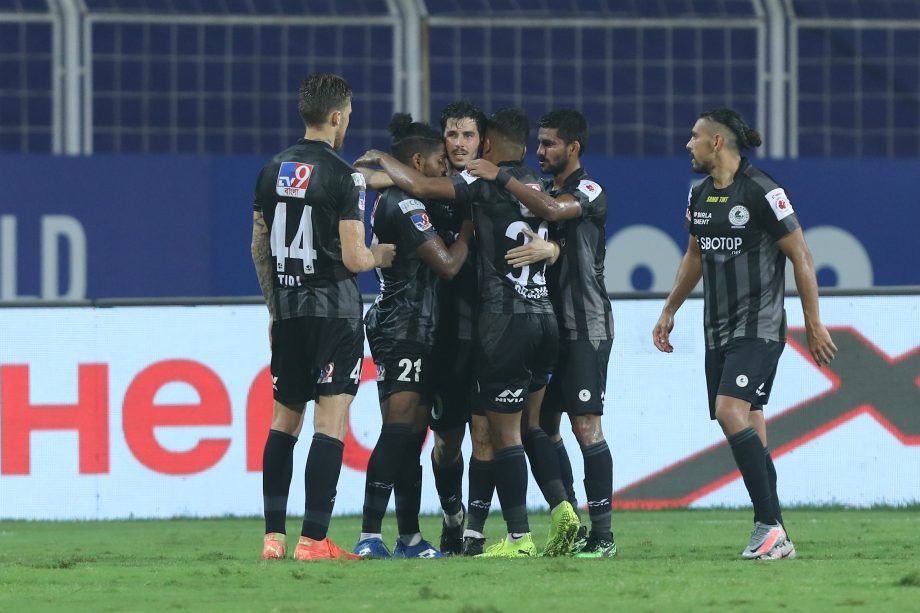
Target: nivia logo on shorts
x=509, y=396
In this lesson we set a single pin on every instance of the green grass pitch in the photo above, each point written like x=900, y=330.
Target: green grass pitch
x=849, y=560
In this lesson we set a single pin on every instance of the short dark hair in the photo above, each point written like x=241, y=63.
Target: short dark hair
x=321, y=94
x=570, y=126
x=745, y=137
x=411, y=137
x=512, y=123
x=462, y=109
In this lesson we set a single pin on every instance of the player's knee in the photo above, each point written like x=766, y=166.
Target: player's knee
x=588, y=429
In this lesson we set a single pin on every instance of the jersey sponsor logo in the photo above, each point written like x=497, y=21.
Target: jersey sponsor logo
x=700, y=218
x=590, y=189
x=293, y=179
x=738, y=216
x=326, y=372
x=411, y=204
x=532, y=293
x=421, y=221
x=466, y=176
x=741, y=380
x=510, y=396
x=358, y=178
x=720, y=243
x=780, y=204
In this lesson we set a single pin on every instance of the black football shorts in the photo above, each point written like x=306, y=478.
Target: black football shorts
x=515, y=356
x=316, y=356
x=579, y=381
x=451, y=384
x=402, y=367
x=743, y=368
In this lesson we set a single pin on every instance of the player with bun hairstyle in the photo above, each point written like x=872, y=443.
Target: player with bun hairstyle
x=401, y=327
x=742, y=228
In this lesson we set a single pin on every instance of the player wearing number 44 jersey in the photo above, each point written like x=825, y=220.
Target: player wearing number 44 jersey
x=742, y=229
x=517, y=333
x=307, y=247
x=401, y=328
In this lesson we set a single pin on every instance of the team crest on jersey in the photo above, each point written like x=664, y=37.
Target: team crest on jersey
x=780, y=204
x=421, y=221
x=293, y=179
x=358, y=178
x=738, y=216
x=590, y=189
x=381, y=373
x=326, y=372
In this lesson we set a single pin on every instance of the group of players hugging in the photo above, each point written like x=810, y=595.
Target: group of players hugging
x=492, y=317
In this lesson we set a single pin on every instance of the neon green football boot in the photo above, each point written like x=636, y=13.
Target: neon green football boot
x=507, y=548
x=563, y=528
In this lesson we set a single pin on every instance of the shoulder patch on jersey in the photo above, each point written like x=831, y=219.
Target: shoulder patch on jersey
x=293, y=179
x=779, y=202
x=411, y=204
x=361, y=200
x=421, y=221
x=590, y=189
x=466, y=176
x=358, y=178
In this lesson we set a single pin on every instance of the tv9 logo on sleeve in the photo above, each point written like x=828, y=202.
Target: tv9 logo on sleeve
x=293, y=179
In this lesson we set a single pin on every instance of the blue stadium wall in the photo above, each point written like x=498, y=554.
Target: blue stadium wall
x=169, y=226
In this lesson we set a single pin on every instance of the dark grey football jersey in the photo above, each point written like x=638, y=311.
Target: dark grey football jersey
x=406, y=309
x=303, y=193
x=500, y=219
x=576, y=280
x=743, y=268
x=458, y=296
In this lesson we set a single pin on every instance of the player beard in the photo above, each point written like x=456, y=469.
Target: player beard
x=551, y=168
x=703, y=168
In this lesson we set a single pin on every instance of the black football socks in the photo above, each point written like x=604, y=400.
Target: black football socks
x=321, y=476
x=383, y=469
x=749, y=457
x=544, y=463
x=277, y=468
x=599, y=487
x=509, y=469
x=482, y=488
